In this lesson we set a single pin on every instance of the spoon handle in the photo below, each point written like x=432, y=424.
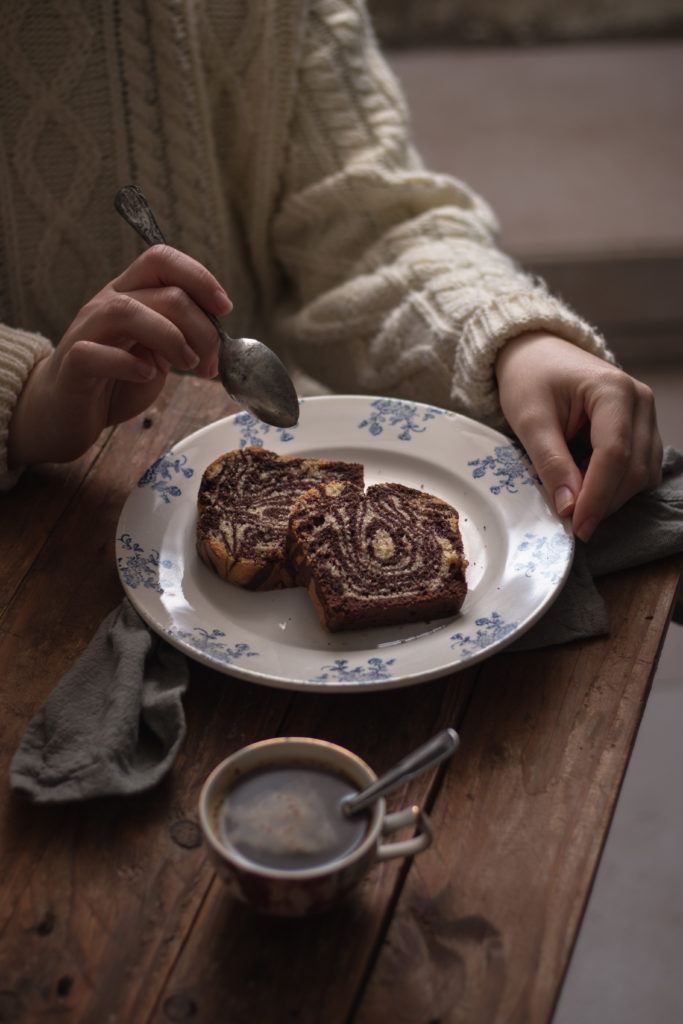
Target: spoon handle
x=441, y=746
x=131, y=203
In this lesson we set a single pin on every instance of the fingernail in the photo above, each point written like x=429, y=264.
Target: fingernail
x=223, y=303
x=191, y=357
x=586, y=530
x=564, y=500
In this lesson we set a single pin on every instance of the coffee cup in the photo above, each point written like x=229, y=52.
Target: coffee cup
x=272, y=819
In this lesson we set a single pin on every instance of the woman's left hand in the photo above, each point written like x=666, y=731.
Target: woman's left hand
x=553, y=393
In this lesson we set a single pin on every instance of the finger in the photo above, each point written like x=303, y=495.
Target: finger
x=198, y=331
x=545, y=444
x=626, y=459
x=86, y=360
x=651, y=449
x=644, y=468
x=162, y=365
x=162, y=265
x=121, y=321
x=611, y=438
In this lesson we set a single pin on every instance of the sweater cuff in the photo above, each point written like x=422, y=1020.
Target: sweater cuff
x=19, y=353
x=496, y=323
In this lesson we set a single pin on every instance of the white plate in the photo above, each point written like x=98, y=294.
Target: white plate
x=519, y=551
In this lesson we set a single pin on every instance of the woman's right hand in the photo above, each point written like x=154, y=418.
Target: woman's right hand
x=113, y=359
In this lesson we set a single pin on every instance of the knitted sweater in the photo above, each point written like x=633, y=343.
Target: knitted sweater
x=273, y=143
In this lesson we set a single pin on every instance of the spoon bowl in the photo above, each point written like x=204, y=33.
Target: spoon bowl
x=250, y=372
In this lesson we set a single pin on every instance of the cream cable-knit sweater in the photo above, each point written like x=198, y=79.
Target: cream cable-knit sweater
x=272, y=141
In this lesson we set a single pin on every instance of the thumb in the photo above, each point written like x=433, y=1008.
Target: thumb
x=555, y=465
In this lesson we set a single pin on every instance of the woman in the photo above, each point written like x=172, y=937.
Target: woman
x=272, y=141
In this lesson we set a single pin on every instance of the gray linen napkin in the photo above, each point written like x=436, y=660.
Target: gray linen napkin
x=648, y=527
x=115, y=721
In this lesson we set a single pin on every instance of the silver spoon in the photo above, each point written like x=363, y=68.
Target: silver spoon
x=250, y=372
x=441, y=746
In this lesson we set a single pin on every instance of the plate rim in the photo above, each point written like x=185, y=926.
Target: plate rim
x=406, y=678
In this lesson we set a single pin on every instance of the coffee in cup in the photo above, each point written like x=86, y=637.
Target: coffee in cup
x=273, y=821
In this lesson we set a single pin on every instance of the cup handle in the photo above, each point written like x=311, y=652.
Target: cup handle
x=406, y=847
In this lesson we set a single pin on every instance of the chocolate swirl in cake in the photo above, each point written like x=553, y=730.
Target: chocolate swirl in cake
x=245, y=498
x=389, y=556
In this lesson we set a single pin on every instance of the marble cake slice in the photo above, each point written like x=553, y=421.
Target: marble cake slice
x=244, y=501
x=388, y=556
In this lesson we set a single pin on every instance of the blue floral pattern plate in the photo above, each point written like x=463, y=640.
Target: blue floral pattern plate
x=519, y=551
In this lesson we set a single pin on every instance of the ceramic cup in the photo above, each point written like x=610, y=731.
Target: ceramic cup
x=239, y=792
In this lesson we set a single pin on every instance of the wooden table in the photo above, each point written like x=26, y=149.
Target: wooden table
x=109, y=909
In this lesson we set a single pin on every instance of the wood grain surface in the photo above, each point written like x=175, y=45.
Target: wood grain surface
x=109, y=910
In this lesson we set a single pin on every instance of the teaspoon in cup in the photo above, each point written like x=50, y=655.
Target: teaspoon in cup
x=250, y=372
x=441, y=746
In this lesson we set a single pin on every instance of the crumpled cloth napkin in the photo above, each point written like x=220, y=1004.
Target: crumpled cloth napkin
x=113, y=724
x=648, y=527
x=115, y=721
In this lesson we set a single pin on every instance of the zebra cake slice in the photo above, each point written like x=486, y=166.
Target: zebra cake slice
x=388, y=556
x=244, y=502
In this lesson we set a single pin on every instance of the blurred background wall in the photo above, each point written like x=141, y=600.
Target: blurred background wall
x=567, y=115
x=407, y=22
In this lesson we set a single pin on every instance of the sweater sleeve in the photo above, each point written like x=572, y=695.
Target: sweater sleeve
x=19, y=353
x=399, y=285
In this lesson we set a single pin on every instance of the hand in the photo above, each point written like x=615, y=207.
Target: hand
x=555, y=395
x=114, y=358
